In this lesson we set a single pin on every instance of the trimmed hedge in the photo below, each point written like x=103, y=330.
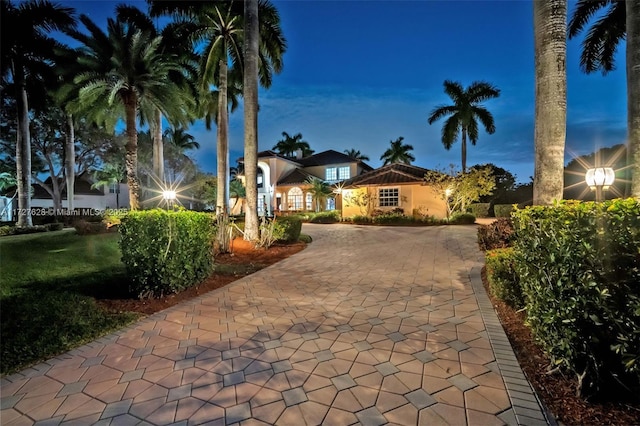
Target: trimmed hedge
x=579, y=267
x=292, y=228
x=503, y=210
x=503, y=279
x=331, y=216
x=479, y=209
x=498, y=234
x=165, y=252
x=462, y=219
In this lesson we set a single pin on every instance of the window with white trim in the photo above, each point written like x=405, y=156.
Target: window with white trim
x=331, y=173
x=388, y=197
x=309, y=199
x=294, y=198
x=344, y=173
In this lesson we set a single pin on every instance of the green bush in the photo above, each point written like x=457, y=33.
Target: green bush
x=304, y=238
x=331, y=216
x=292, y=228
x=495, y=235
x=393, y=218
x=579, y=267
x=462, y=219
x=84, y=227
x=6, y=230
x=503, y=210
x=361, y=220
x=480, y=209
x=503, y=279
x=54, y=226
x=165, y=251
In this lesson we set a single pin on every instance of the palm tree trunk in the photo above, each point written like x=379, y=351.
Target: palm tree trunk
x=550, y=34
x=464, y=150
x=158, y=148
x=633, y=94
x=131, y=155
x=252, y=231
x=23, y=151
x=70, y=162
x=222, y=149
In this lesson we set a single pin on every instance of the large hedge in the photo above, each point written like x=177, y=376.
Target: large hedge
x=579, y=267
x=502, y=277
x=165, y=252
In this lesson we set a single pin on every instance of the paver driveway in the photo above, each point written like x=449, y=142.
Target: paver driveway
x=369, y=325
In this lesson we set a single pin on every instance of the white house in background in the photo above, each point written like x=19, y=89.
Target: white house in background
x=85, y=198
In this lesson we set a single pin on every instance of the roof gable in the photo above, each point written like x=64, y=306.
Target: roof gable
x=329, y=157
x=391, y=174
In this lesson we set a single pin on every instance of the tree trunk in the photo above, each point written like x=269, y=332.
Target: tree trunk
x=23, y=151
x=131, y=149
x=633, y=94
x=222, y=149
x=550, y=34
x=158, y=147
x=252, y=231
x=464, y=150
x=70, y=162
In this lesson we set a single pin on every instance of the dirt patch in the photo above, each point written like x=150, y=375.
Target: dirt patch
x=557, y=391
x=243, y=260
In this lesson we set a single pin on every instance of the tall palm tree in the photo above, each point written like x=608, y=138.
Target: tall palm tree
x=550, y=29
x=124, y=70
x=617, y=22
x=180, y=138
x=356, y=155
x=250, y=86
x=398, y=153
x=465, y=113
x=320, y=190
x=633, y=94
x=27, y=57
x=110, y=174
x=289, y=145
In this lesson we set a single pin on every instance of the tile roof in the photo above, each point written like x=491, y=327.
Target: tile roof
x=81, y=187
x=390, y=174
x=295, y=177
x=330, y=157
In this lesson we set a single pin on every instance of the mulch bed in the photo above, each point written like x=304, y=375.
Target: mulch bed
x=557, y=391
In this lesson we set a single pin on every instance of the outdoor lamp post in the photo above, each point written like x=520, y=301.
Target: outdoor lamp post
x=600, y=179
x=170, y=197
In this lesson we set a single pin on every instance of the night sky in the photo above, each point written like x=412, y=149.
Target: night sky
x=358, y=74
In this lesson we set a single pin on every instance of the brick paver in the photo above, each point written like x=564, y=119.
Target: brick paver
x=368, y=325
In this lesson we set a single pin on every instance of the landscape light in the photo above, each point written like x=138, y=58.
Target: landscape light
x=600, y=179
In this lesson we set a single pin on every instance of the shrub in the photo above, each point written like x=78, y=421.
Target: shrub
x=579, y=267
x=504, y=282
x=495, y=235
x=84, y=227
x=361, y=220
x=393, y=218
x=479, y=209
x=503, y=210
x=6, y=230
x=54, y=226
x=331, y=216
x=270, y=232
x=462, y=219
x=305, y=238
x=165, y=251
x=22, y=230
x=292, y=227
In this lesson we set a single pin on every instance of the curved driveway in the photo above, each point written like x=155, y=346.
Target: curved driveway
x=367, y=325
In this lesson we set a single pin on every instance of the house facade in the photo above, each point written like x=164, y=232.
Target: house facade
x=282, y=180
x=391, y=187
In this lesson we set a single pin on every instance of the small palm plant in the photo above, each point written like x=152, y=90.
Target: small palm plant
x=320, y=190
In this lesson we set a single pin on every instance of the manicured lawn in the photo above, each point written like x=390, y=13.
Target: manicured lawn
x=48, y=283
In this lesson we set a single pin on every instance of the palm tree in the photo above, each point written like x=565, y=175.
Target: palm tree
x=356, y=155
x=465, y=113
x=123, y=70
x=180, y=138
x=398, y=153
x=27, y=58
x=320, y=191
x=290, y=144
x=111, y=174
x=618, y=21
x=237, y=191
x=250, y=87
x=550, y=29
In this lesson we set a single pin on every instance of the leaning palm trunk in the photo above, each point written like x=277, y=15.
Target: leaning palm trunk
x=70, y=162
x=131, y=155
x=23, y=153
x=222, y=151
x=252, y=231
x=550, y=29
x=158, y=149
x=633, y=94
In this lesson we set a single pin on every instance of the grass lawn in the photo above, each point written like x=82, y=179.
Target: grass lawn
x=48, y=283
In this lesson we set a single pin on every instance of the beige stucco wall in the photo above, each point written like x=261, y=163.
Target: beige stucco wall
x=412, y=196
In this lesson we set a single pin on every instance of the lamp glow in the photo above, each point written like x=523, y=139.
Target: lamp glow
x=600, y=176
x=169, y=195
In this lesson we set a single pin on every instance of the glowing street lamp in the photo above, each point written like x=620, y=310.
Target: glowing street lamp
x=600, y=179
x=170, y=197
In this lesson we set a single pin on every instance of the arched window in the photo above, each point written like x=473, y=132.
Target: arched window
x=294, y=198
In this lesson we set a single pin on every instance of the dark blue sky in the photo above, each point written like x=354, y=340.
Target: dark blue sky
x=358, y=74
